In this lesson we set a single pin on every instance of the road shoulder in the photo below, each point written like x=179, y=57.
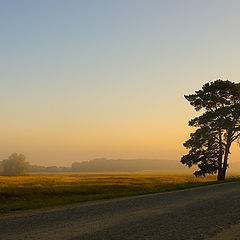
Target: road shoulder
x=231, y=233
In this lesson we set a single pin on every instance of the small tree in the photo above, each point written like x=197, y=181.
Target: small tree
x=217, y=128
x=15, y=165
x=1, y=168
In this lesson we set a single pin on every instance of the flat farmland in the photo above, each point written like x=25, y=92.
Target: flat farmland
x=51, y=189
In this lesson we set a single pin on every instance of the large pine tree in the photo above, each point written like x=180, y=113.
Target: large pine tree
x=216, y=129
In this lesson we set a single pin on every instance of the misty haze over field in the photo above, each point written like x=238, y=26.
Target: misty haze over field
x=125, y=165
x=102, y=164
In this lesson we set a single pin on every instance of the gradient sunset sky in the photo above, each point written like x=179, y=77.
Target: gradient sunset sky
x=87, y=79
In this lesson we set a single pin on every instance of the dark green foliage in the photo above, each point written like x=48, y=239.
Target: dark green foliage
x=216, y=129
x=15, y=165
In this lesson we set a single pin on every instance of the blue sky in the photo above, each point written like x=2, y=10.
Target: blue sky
x=85, y=79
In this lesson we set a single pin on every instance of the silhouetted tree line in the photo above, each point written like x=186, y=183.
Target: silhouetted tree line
x=16, y=165
x=37, y=168
x=127, y=165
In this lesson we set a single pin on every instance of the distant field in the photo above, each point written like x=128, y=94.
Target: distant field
x=36, y=191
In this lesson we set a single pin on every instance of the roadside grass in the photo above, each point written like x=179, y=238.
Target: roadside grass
x=38, y=191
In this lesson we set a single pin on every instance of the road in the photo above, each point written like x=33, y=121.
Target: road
x=198, y=213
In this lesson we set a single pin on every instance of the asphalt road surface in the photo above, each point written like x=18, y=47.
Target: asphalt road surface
x=199, y=213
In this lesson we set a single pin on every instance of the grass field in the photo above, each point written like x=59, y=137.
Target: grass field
x=36, y=191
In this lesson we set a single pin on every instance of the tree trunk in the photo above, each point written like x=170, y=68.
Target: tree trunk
x=221, y=174
x=220, y=156
x=222, y=170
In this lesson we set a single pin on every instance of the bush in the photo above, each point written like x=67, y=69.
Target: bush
x=15, y=165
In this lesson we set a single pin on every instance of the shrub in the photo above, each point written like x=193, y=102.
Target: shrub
x=15, y=165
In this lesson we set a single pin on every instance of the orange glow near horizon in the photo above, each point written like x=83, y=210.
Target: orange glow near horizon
x=83, y=80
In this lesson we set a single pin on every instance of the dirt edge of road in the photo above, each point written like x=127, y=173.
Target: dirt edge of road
x=231, y=233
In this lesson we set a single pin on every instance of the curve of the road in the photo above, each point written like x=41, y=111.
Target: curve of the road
x=198, y=213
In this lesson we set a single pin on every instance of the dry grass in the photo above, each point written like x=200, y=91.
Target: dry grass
x=36, y=191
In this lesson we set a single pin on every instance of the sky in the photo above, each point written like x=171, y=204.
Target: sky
x=87, y=79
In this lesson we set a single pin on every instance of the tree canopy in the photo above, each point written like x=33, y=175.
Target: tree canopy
x=216, y=129
x=15, y=165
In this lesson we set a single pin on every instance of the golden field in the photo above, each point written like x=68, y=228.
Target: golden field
x=43, y=190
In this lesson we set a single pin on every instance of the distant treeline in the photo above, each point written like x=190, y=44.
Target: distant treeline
x=115, y=165
x=37, y=168
x=127, y=165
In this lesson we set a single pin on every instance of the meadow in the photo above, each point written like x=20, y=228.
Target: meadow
x=41, y=190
